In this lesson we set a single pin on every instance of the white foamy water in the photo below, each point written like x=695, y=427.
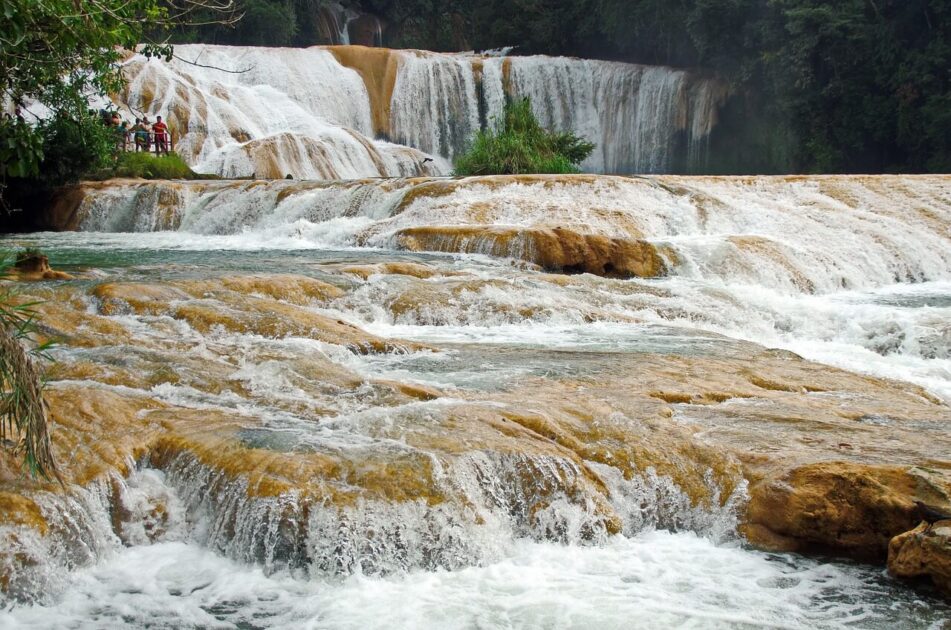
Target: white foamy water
x=852, y=272
x=244, y=111
x=653, y=580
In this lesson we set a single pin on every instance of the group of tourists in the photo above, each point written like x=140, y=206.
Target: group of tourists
x=142, y=136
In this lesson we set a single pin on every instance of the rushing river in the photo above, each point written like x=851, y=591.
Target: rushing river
x=481, y=334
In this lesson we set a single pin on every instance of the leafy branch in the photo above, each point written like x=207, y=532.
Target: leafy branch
x=24, y=416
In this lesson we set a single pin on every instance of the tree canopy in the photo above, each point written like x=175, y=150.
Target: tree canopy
x=57, y=54
x=817, y=85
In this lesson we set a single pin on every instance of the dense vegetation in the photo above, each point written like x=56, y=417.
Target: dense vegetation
x=55, y=56
x=521, y=145
x=819, y=85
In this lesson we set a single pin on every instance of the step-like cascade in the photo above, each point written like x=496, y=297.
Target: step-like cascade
x=770, y=259
x=788, y=234
x=267, y=393
x=335, y=112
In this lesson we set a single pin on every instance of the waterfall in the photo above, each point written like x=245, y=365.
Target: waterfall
x=267, y=113
x=435, y=105
x=333, y=20
x=327, y=113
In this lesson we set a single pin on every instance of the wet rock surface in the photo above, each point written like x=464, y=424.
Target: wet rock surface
x=923, y=551
x=781, y=442
x=452, y=363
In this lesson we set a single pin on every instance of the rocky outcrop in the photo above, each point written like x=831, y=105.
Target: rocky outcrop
x=843, y=507
x=32, y=267
x=820, y=476
x=558, y=249
x=923, y=551
x=246, y=305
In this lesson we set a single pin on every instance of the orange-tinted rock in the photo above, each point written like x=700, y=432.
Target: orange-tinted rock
x=378, y=68
x=287, y=288
x=820, y=475
x=415, y=270
x=135, y=296
x=923, y=551
x=852, y=508
x=557, y=249
x=234, y=304
x=34, y=267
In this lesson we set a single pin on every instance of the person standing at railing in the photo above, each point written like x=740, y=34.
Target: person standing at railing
x=122, y=136
x=160, y=129
x=141, y=135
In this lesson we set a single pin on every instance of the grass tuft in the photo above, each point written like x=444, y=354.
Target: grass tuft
x=523, y=146
x=148, y=166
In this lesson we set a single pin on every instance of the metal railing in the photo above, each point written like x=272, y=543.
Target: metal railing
x=149, y=141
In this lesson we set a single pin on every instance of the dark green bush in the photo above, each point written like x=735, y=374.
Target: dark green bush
x=72, y=148
x=523, y=146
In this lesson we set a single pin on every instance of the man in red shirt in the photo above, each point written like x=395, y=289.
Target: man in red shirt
x=160, y=129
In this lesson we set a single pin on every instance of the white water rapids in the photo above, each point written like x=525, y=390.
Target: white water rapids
x=852, y=272
x=655, y=579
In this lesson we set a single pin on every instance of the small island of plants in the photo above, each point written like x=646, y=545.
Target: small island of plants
x=522, y=146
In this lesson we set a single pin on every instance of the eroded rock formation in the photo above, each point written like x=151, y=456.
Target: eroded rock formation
x=923, y=551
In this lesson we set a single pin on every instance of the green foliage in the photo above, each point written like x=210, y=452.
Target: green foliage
x=73, y=147
x=60, y=52
x=24, y=421
x=266, y=23
x=256, y=23
x=523, y=146
x=56, y=55
x=149, y=166
x=847, y=86
x=854, y=85
x=21, y=149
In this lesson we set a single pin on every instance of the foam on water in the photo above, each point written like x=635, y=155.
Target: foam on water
x=166, y=574
x=865, y=286
x=653, y=580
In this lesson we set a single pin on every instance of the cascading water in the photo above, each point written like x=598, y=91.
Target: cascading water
x=807, y=265
x=314, y=113
x=637, y=116
x=370, y=403
x=435, y=105
x=262, y=112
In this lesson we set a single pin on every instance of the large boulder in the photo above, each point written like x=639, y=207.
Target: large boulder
x=833, y=506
